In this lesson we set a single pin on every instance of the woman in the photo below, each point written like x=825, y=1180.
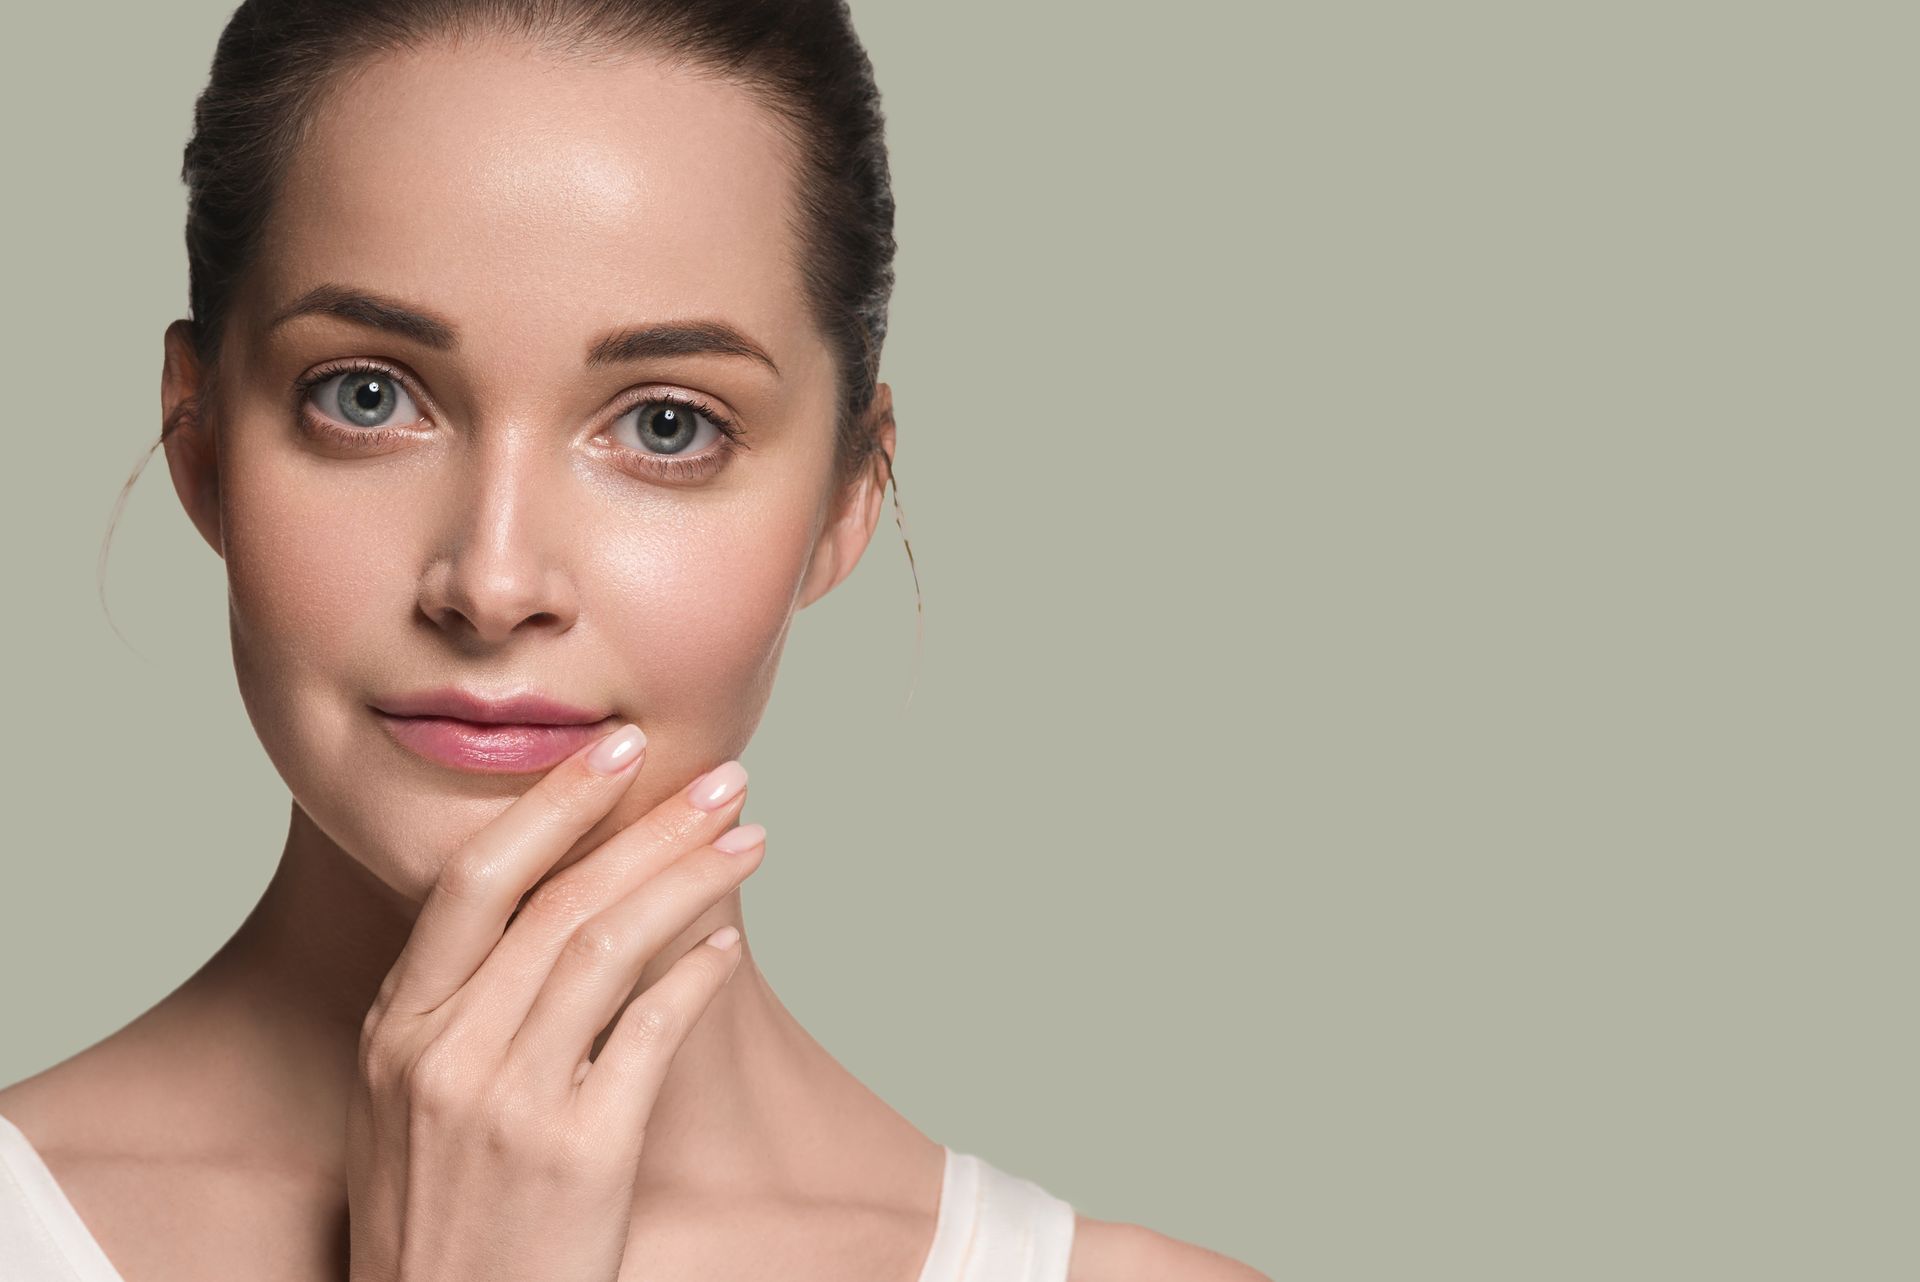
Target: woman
x=530, y=389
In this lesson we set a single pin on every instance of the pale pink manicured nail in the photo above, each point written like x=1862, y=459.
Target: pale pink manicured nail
x=713, y=789
x=617, y=751
x=723, y=937
x=738, y=841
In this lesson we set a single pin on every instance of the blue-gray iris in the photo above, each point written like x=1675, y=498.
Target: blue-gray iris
x=366, y=399
x=671, y=421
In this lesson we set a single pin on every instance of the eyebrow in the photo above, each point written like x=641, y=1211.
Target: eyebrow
x=630, y=343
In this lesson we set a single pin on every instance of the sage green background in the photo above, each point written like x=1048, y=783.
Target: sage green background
x=1412, y=767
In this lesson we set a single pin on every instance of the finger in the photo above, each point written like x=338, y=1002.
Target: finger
x=476, y=891
x=503, y=989
x=603, y=960
x=687, y=820
x=618, y=1088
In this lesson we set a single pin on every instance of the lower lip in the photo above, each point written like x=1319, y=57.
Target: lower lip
x=489, y=749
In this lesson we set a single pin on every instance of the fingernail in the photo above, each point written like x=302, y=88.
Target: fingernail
x=738, y=841
x=617, y=751
x=713, y=789
x=723, y=937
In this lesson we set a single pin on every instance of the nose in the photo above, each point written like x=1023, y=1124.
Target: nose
x=502, y=564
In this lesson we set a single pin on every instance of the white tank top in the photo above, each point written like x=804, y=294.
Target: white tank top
x=992, y=1226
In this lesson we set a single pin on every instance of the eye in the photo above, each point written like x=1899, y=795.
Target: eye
x=670, y=426
x=362, y=397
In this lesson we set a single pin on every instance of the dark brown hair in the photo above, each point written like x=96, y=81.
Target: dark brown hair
x=276, y=60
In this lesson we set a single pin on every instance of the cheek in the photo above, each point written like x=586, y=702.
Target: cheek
x=695, y=611
x=311, y=575
x=677, y=609
x=670, y=612
x=310, y=571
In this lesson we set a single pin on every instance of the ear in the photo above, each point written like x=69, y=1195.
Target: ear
x=192, y=451
x=856, y=510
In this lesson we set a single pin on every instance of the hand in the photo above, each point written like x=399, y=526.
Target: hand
x=485, y=1140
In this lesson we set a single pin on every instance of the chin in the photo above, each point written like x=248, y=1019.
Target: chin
x=403, y=817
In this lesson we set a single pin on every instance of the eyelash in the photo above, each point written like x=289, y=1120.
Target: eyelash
x=660, y=464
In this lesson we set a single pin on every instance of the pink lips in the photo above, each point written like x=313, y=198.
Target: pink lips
x=504, y=736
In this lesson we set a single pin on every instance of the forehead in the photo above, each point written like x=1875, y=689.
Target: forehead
x=534, y=200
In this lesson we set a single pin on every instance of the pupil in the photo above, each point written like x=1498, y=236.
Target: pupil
x=667, y=422
x=366, y=400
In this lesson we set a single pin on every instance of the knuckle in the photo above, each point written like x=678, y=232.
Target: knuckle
x=674, y=828
x=467, y=879
x=555, y=901
x=653, y=1024
x=691, y=879
x=596, y=943
x=383, y=996
x=510, y=1120
x=436, y=1081
x=704, y=879
x=384, y=1060
x=377, y=1061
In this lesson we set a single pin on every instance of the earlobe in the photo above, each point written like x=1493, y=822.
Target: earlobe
x=188, y=434
x=851, y=528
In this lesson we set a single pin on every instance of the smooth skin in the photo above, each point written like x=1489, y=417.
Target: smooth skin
x=497, y=1124
x=513, y=532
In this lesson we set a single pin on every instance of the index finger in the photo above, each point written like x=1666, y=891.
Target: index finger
x=467, y=910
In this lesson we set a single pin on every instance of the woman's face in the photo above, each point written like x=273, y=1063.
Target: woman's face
x=502, y=504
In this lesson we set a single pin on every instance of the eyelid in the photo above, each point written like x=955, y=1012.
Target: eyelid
x=304, y=385
x=673, y=468
x=633, y=398
x=660, y=465
x=652, y=394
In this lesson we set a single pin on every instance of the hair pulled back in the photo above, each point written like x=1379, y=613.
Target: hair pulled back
x=276, y=60
x=801, y=59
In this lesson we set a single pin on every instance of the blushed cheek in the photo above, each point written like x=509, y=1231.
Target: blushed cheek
x=699, y=621
x=314, y=581
x=677, y=611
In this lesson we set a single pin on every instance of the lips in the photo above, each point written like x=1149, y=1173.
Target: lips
x=514, y=735
x=489, y=749
x=518, y=709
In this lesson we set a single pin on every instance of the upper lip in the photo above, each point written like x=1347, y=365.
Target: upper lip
x=518, y=709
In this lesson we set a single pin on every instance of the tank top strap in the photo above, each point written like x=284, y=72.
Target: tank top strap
x=995, y=1226
x=41, y=1234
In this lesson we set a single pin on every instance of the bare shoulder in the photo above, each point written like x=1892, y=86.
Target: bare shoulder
x=1116, y=1251
x=32, y=1105
x=84, y=1105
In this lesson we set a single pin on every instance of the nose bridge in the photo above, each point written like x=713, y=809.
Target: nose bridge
x=503, y=558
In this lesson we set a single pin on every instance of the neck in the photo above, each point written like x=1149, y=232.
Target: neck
x=749, y=1099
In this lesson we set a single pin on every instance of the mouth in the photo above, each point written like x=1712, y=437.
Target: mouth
x=498, y=747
